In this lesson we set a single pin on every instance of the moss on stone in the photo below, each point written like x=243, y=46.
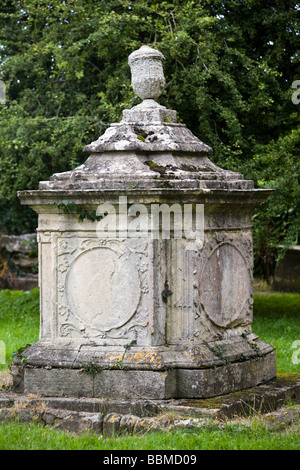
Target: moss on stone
x=286, y=378
x=155, y=167
x=205, y=403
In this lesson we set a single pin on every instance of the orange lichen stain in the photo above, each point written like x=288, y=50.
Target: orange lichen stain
x=114, y=358
x=194, y=354
x=112, y=418
x=146, y=356
x=189, y=355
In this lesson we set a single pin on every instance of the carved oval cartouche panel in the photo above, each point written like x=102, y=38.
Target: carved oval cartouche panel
x=102, y=289
x=225, y=285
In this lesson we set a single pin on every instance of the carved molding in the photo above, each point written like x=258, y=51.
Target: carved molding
x=225, y=293
x=111, y=277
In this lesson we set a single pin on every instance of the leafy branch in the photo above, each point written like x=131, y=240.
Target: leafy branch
x=71, y=208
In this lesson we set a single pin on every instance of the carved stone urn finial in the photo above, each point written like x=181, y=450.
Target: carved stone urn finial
x=147, y=76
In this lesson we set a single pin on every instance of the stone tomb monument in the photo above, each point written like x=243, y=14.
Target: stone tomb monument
x=126, y=310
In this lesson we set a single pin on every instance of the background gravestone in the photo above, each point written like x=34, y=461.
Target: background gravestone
x=18, y=262
x=287, y=271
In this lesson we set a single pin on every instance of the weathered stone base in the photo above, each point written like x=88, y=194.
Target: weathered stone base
x=145, y=384
x=113, y=417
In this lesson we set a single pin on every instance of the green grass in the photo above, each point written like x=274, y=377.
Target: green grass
x=276, y=320
x=19, y=320
x=233, y=437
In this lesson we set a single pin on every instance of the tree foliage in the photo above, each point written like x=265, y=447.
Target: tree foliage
x=229, y=67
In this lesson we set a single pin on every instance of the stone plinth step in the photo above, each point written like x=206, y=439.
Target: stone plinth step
x=134, y=416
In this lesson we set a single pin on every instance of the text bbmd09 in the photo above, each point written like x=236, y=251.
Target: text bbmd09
x=173, y=459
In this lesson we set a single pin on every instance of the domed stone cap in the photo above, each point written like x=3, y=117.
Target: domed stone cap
x=150, y=137
x=148, y=144
x=149, y=126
